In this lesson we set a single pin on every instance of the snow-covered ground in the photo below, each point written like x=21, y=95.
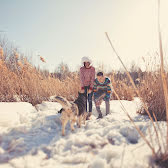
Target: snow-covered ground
x=30, y=137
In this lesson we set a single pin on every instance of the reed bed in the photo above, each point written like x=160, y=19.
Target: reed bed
x=23, y=82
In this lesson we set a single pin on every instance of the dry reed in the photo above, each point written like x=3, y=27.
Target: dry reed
x=160, y=156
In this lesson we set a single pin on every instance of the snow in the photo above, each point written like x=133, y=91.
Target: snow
x=31, y=137
x=15, y=114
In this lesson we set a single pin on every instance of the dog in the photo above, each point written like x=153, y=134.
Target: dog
x=75, y=112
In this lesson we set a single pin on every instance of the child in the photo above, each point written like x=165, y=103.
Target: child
x=102, y=91
x=87, y=77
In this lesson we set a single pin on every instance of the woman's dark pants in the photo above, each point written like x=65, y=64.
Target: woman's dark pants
x=88, y=98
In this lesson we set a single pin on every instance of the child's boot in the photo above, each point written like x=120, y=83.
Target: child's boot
x=99, y=112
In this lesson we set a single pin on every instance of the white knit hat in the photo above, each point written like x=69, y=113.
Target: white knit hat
x=86, y=59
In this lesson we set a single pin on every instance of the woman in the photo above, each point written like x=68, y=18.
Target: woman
x=87, y=77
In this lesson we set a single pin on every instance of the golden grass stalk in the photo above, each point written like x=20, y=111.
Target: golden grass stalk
x=144, y=104
x=163, y=74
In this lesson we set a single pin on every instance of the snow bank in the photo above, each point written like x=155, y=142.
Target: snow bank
x=16, y=113
x=104, y=143
x=51, y=107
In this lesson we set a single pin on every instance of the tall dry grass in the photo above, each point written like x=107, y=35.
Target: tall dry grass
x=163, y=157
x=123, y=89
x=152, y=93
x=33, y=85
x=23, y=82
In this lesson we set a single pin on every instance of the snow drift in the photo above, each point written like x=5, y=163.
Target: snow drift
x=32, y=138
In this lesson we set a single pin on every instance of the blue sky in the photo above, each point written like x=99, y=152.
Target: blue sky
x=66, y=30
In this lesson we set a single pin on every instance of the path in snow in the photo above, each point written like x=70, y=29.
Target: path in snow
x=104, y=143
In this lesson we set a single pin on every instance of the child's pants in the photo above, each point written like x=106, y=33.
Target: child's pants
x=107, y=102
